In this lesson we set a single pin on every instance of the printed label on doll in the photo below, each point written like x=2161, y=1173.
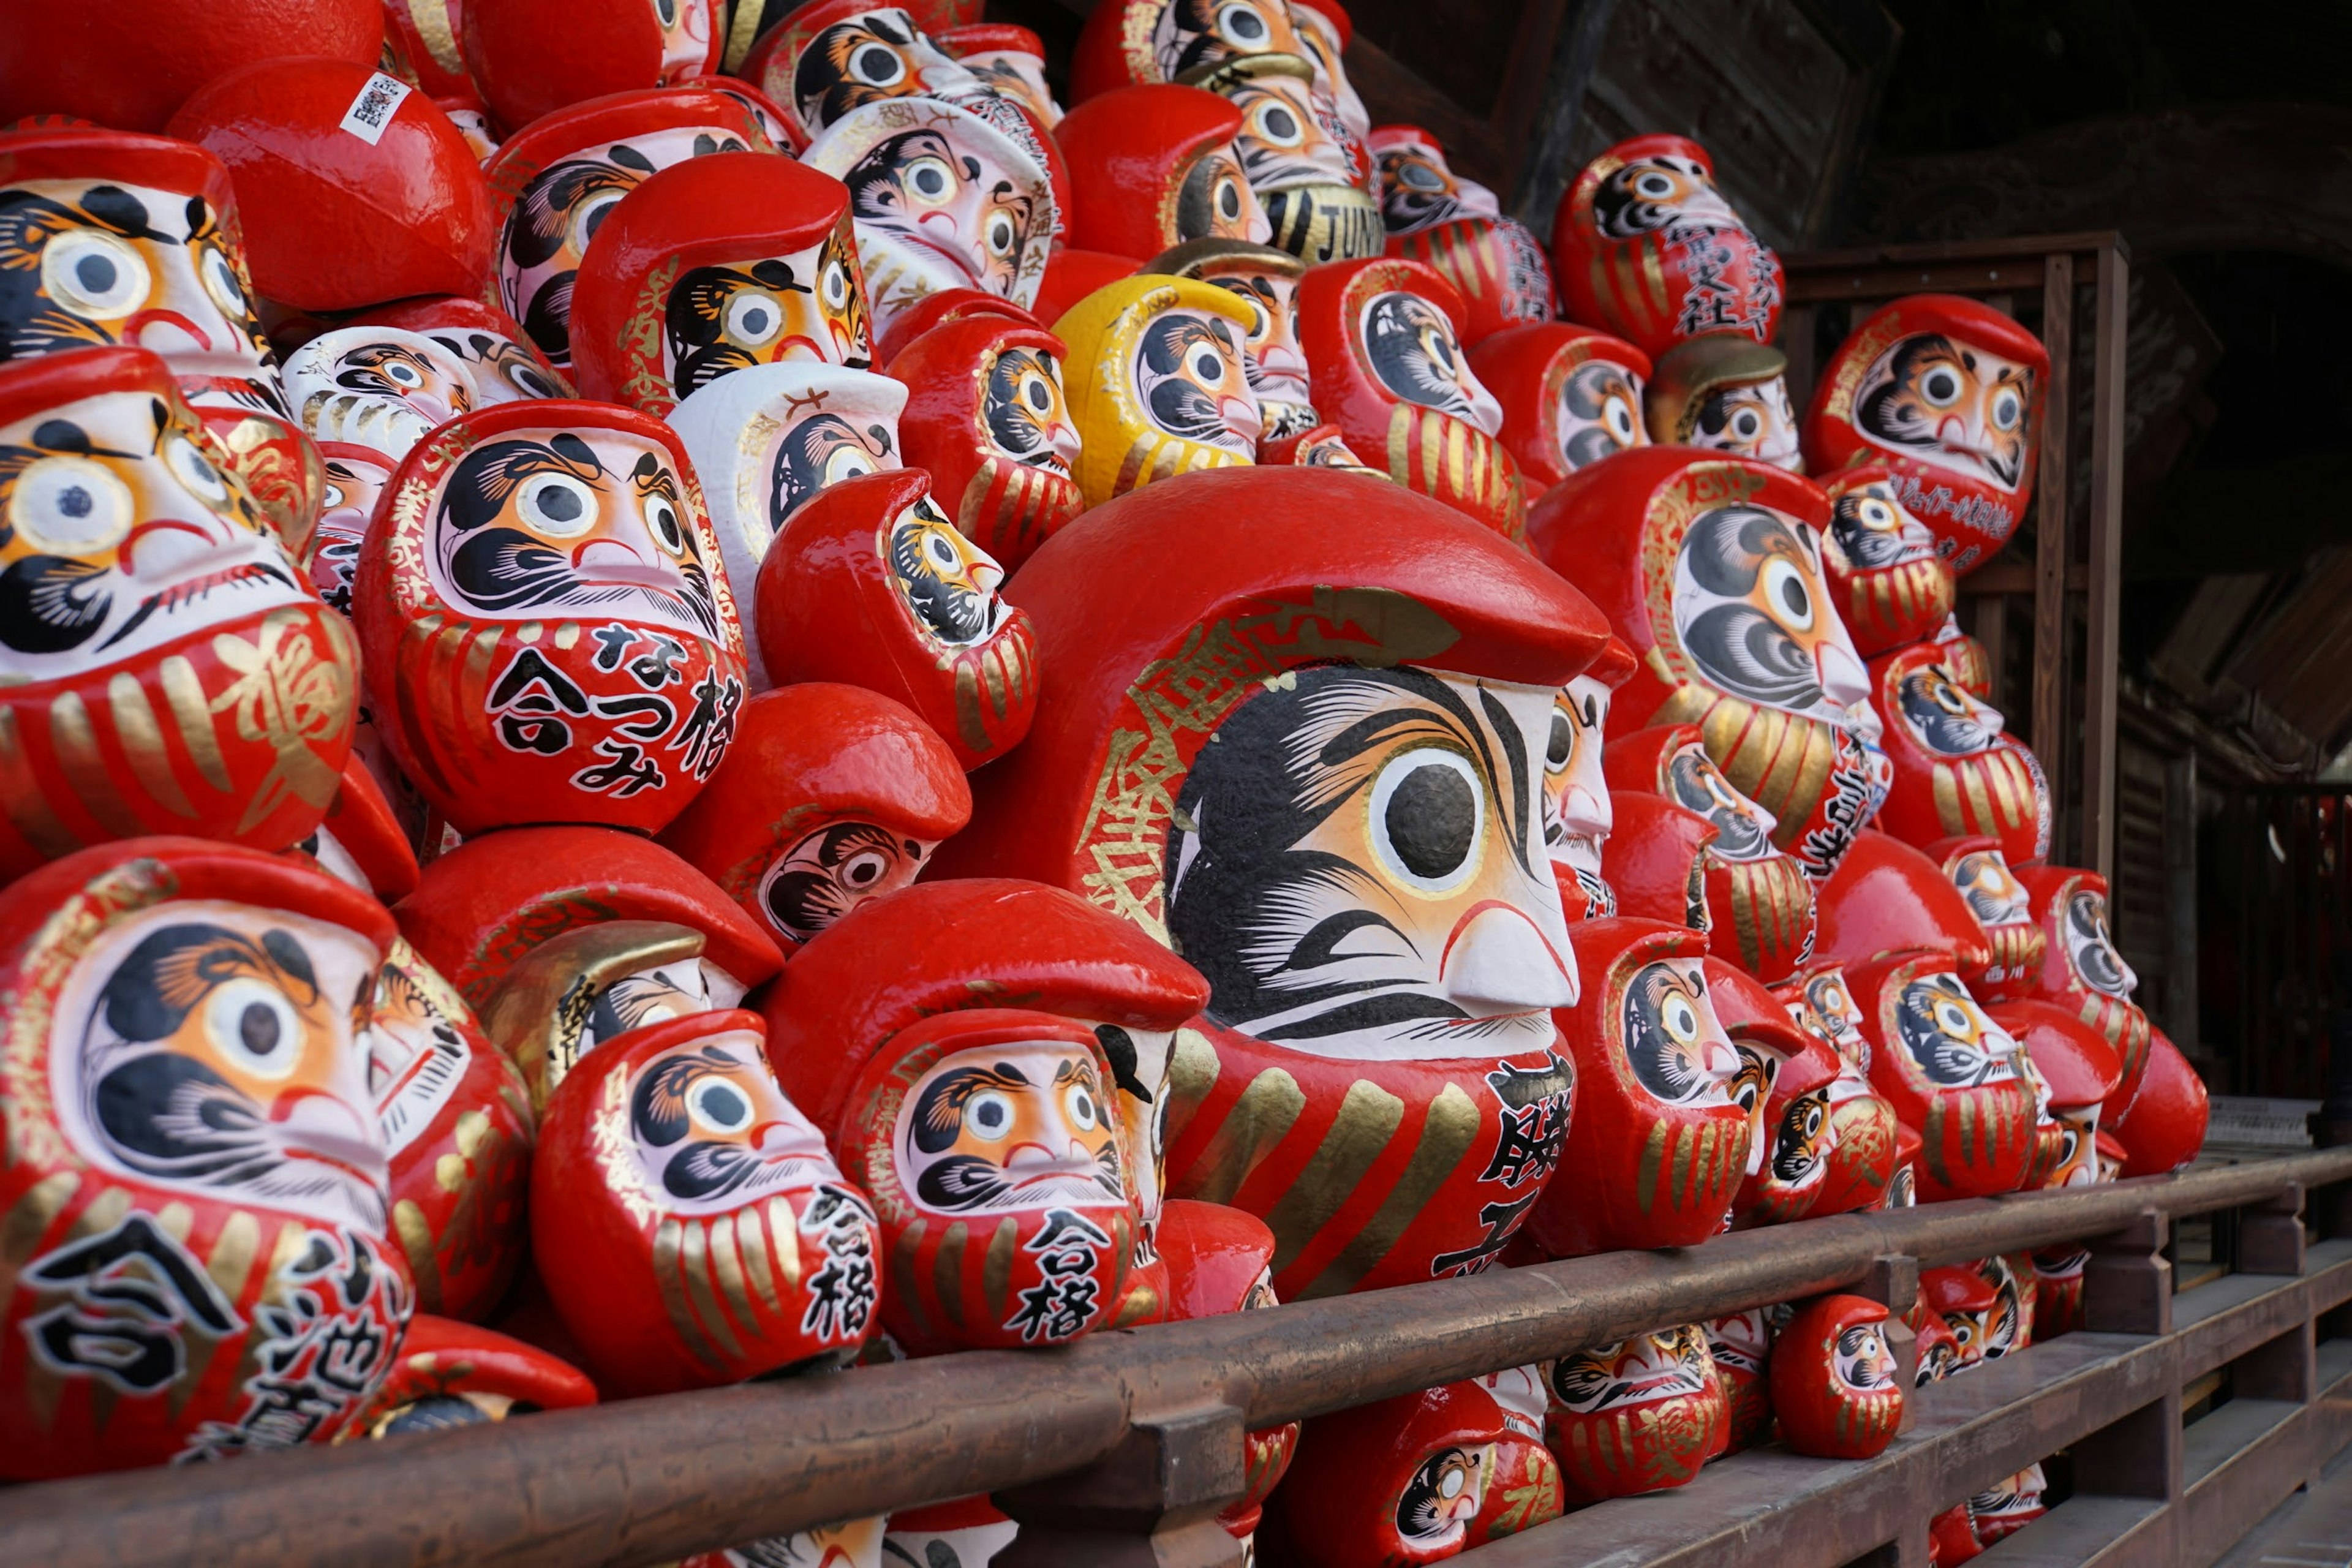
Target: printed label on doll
x=372, y=109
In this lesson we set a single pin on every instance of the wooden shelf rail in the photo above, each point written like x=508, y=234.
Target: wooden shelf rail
x=1140, y=1432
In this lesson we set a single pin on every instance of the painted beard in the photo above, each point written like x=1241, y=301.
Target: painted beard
x=826, y=874
x=1599, y=414
x=1444, y=1495
x=948, y=583
x=502, y=570
x=1752, y=611
x=193, y=1008
x=1323, y=936
x=1415, y=355
x=1021, y=406
x=1927, y=382
x=819, y=451
x=384, y=396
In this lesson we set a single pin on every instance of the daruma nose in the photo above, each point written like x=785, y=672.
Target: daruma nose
x=1497, y=961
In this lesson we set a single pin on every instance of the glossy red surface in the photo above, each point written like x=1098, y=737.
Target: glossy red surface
x=1355, y=1470
x=2162, y=1126
x=131, y=63
x=1071, y=275
x=333, y=221
x=532, y=58
x=1128, y=151
x=1888, y=897
x=1526, y=368
x=1821, y=1413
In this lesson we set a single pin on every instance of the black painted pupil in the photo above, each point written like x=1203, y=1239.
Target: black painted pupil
x=864, y=872
x=257, y=1027
x=1086, y=1105
x=558, y=504
x=1656, y=186
x=877, y=65
x=76, y=502
x=1038, y=398
x=988, y=1115
x=755, y=321
x=930, y=181
x=1942, y=386
x=1280, y=122
x=724, y=1106
x=95, y=273
x=596, y=218
x=1248, y=25
x=1563, y=741
x=1793, y=595
x=1430, y=818
x=1229, y=200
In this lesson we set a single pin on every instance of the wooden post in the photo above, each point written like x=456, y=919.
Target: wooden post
x=2101, y=647
x=2052, y=496
x=2127, y=1289
x=1894, y=1283
x=1151, y=1503
x=2270, y=1236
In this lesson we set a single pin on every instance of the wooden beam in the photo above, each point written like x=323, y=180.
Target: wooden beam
x=2053, y=494
x=2102, y=644
x=1544, y=173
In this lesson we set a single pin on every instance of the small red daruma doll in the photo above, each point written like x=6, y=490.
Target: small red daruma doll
x=988, y=416
x=1862, y=1132
x=196, y=1177
x=1640, y=1415
x=1888, y=581
x=2015, y=940
x=1741, y=1348
x=1402, y=1482
x=831, y=795
x=1954, y=772
x=873, y=586
x=1659, y=1145
x=1788, y=1074
x=549, y=634
x=687, y=1220
x=1571, y=396
x=1221, y=1261
x=714, y=265
x=1152, y=167
x=164, y=666
x=1947, y=393
x=1645, y=245
x=1432, y=215
x=1836, y=1386
x=2081, y=968
x=1384, y=355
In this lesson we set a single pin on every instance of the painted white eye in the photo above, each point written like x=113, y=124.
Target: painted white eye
x=254, y=1028
x=1079, y=1104
x=2008, y=408
x=719, y=1105
x=669, y=531
x=1450, y=1487
x=877, y=65
x=96, y=276
x=221, y=282
x=1206, y=365
x=1655, y=185
x=1947, y=696
x=930, y=180
x=1788, y=596
x=590, y=215
x=1242, y=27
x=864, y=869
x=1420, y=176
x=1954, y=1020
x=941, y=555
x=330, y=497
x=1877, y=516
x=1680, y=1018
x=69, y=506
x=1038, y=393
x=1617, y=414
x=1747, y=425
x=847, y=463
x=1276, y=125
x=755, y=318
x=1002, y=235
x=666, y=11
x=988, y=1115
x=525, y=378
x=834, y=286
x=557, y=505
x=1562, y=744
x=1941, y=386
x=196, y=472
x=1428, y=820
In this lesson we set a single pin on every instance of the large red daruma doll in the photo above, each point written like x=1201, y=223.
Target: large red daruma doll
x=1178, y=777
x=1710, y=569
x=1384, y=357
x=196, y=1181
x=549, y=636
x=1646, y=247
x=1947, y=393
x=166, y=666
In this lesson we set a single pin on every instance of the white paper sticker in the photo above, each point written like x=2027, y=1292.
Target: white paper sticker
x=372, y=109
